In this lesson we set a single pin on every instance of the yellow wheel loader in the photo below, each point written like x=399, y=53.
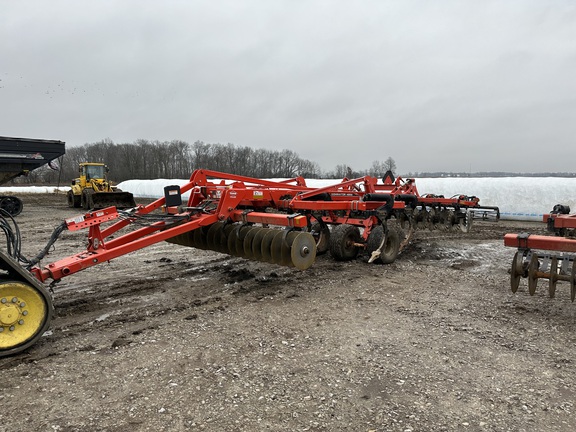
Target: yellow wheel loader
x=93, y=190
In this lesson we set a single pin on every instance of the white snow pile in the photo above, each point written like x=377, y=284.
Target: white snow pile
x=15, y=190
x=519, y=198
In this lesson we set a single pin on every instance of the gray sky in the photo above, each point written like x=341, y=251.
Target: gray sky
x=436, y=85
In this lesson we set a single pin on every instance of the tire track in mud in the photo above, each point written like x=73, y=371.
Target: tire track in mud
x=119, y=300
x=105, y=310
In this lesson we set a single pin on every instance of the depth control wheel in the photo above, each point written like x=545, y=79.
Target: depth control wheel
x=389, y=250
x=25, y=314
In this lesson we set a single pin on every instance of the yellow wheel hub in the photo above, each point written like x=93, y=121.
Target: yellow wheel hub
x=23, y=313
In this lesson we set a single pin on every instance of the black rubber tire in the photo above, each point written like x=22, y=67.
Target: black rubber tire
x=87, y=203
x=74, y=201
x=391, y=247
x=341, y=238
x=11, y=204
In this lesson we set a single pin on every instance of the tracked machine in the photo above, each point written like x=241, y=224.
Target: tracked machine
x=284, y=223
x=546, y=257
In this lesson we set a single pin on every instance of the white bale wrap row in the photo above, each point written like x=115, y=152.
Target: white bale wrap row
x=519, y=198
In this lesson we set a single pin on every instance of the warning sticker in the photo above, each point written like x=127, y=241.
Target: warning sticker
x=258, y=194
x=76, y=220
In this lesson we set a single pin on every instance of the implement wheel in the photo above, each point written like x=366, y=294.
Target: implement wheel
x=391, y=247
x=343, y=242
x=25, y=314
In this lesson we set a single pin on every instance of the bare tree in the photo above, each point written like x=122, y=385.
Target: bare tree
x=390, y=165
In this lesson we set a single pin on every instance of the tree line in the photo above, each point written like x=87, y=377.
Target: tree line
x=144, y=159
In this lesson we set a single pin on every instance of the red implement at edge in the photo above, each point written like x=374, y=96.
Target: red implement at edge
x=523, y=241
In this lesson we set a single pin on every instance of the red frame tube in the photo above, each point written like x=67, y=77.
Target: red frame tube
x=525, y=241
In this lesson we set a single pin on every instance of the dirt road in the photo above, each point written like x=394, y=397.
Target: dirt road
x=173, y=339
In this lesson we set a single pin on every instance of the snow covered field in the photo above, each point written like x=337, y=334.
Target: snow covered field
x=519, y=198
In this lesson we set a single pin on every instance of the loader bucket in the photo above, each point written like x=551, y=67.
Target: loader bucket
x=120, y=200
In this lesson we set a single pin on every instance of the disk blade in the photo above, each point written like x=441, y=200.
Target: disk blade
x=266, y=246
x=516, y=271
x=303, y=251
x=533, y=274
x=553, y=277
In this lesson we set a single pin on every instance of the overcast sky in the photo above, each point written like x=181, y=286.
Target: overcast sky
x=436, y=85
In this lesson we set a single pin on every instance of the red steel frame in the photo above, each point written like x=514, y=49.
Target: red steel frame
x=550, y=243
x=559, y=221
x=239, y=198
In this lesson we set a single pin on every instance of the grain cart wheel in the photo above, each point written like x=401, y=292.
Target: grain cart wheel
x=343, y=242
x=74, y=201
x=25, y=314
x=11, y=204
x=321, y=234
x=389, y=250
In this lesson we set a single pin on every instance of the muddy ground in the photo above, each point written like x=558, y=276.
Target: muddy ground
x=172, y=338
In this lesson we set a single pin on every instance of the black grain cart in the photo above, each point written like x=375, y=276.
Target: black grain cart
x=19, y=156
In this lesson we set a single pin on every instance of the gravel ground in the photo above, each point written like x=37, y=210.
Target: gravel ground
x=175, y=339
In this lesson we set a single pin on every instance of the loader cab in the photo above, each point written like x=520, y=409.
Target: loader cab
x=90, y=175
x=96, y=172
